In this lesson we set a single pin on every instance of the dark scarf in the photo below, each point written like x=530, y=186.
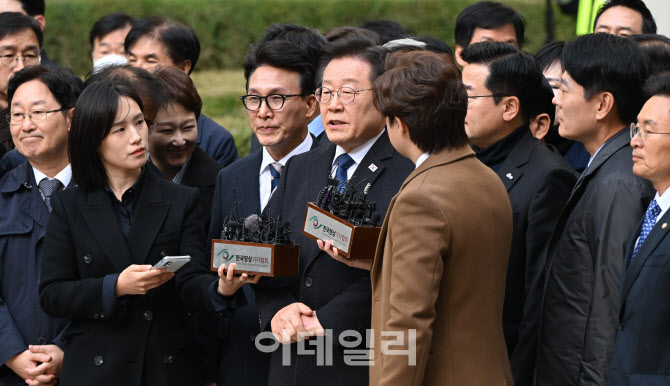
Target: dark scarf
x=494, y=155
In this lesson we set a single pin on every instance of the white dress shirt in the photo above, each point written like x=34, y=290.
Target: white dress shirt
x=64, y=176
x=421, y=158
x=357, y=155
x=264, y=176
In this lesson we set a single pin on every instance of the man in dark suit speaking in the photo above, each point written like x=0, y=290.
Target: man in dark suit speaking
x=642, y=350
x=279, y=102
x=503, y=85
x=328, y=295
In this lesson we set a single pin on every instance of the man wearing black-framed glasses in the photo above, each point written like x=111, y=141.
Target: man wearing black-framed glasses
x=280, y=104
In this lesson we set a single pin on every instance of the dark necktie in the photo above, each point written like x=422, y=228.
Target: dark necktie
x=275, y=172
x=48, y=188
x=649, y=221
x=344, y=161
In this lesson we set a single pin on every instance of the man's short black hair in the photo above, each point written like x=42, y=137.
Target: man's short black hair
x=93, y=117
x=657, y=48
x=353, y=46
x=179, y=40
x=549, y=53
x=32, y=7
x=282, y=54
x=486, y=15
x=306, y=39
x=512, y=72
x=648, y=23
x=63, y=84
x=14, y=22
x=658, y=85
x=387, y=29
x=110, y=23
x=608, y=63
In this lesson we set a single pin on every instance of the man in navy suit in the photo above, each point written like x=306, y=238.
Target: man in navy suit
x=642, y=349
x=280, y=102
x=41, y=100
x=326, y=294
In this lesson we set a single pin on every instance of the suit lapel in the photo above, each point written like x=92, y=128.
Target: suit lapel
x=33, y=205
x=510, y=171
x=100, y=218
x=371, y=165
x=149, y=214
x=656, y=235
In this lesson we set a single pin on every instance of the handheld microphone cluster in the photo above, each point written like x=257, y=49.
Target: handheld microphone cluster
x=355, y=210
x=256, y=229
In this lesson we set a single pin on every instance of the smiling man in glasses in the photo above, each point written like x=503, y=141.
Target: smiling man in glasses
x=41, y=103
x=20, y=42
x=503, y=85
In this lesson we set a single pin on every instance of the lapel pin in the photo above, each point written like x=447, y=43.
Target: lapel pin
x=509, y=175
x=665, y=225
x=372, y=167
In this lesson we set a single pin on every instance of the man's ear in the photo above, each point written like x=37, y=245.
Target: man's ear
x=511, y=108
x=185, y=66
x=312, y=107
x=40, y=19
x=70, y=114
x=539, y=126
x=605, y=104
x=401, y=125
x=457, y=55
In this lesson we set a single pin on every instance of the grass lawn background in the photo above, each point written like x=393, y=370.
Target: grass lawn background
x=226, y=28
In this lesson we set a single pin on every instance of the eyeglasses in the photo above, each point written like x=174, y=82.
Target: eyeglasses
x=345, y=94
x=636, y=130
x=273, y=101
x=35, y=116
x=487, y=96
x=12, y=60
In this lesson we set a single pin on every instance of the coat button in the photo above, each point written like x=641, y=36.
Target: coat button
x=98, y=361
x=167, y=359
x=88, y=259
x=621, y=326
x=41, y=341
x=308, y=282
x=163, y=254
x=148, y=315
x=96, y=316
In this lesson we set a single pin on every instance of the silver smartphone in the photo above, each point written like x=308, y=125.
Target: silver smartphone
x=172, y=263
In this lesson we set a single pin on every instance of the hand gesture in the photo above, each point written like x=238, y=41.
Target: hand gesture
x=50, y=358
x=229, y=284
x=327, y=246
x=287, y=324
x=139, y=279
